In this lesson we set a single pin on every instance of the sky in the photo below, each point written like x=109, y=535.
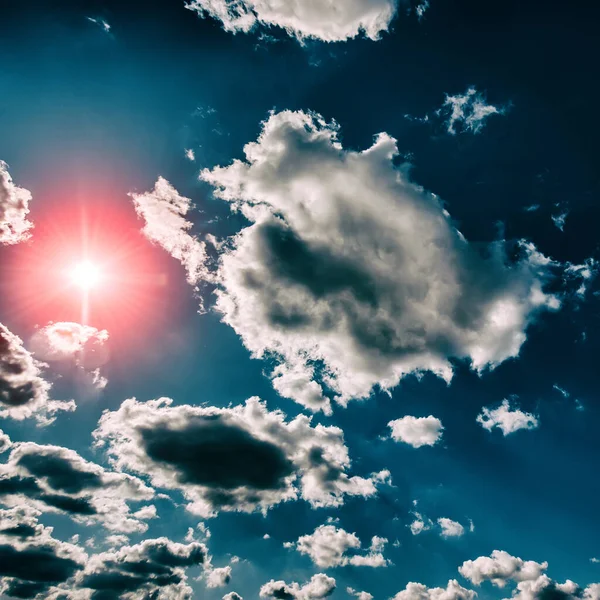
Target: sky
x=299, y=300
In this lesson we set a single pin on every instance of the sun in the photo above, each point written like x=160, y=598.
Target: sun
x=86, y=274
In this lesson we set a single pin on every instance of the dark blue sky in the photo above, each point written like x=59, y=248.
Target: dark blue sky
x=88, y=116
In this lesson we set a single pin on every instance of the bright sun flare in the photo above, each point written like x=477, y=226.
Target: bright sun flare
x=86, y=274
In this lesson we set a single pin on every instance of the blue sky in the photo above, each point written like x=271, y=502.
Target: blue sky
x=343, y=337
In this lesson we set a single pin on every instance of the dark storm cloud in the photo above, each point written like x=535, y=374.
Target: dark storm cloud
x=243, y=458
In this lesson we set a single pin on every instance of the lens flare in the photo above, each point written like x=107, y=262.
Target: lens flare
x=86, y=274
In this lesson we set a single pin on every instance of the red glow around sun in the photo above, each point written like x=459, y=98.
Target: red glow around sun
x=88, y=262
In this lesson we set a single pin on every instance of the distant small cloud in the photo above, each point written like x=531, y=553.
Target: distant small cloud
x=417, y=431
x=560, y=218
x=421, y=9
x=104, y=25
x=190, y=154
x=467, y=112
x=450, y=528
x=507, y=417
x=532, y=208
x=595, y=560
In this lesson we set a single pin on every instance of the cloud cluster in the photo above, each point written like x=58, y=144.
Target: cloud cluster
x=14, y=208
x=359, y=595
x=329, y=546
x=57, y=479
x=164, y=211
x=243, y=458
x=507, y=417
x=351, y=276
x=417, y=431
x=418, y=591
x=31, y=560
x=23, y=391
x=83, y=345
x=500, y=568
x=326, y=20
x=320, y=586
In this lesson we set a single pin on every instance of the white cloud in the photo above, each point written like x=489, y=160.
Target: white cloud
x=359, y=595
x=329, y=546
x=199, y=449
x=190, y=154
x=232, y=596
x=595, y=560
x=500, y=567
x=450, y=528
x=14, y=208
x=418, y=591
x=24, y=392
x=352, y=276
x=468, y=110
x=218, y=577
x=320, y=586
x=57, y=479
x=164, y=211
x=420, y=524
x=104, y=25
x=326, y=20
x=5, y=442
x=417, y=431
x=84, y=345
x=507, y=419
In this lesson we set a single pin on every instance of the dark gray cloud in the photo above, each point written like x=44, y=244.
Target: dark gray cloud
x=53, y=478
x=243, y=458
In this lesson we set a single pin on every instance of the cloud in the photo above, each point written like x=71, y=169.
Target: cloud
x=143, y=571
x=14, y=208
x=104, y=25
x=500, y=567
x=420, y=524
x=351, y=276
x=320, y=586
x=31, y=560
x=83, y=345
x=190, y=154
x=326, y=20
x=5, y=442
x=467, y=112
x=359, y=595
x=57, y=479
x=164, y=210
x=218, y=577
x=421, y=9
x=23, y=391
x=329, y=546
x=244, y=458
x=418, y=591
x=232, y=596
x=532, y=583
x=507, y=419
x=417, y=431
x=450, y=528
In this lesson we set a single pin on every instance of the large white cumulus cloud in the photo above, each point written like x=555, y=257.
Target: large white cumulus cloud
x=352, y=276
x=243, y=458
x=326, y=20
x=14, y=208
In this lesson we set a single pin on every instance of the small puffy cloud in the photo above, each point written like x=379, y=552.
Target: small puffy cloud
x=326, y=20
x=218, y=577
x=57, y=479
x=467, y=112
x=351, y=276
x=500, y=567
x=329, y=546
x=507, y=417
x=359, y=595
x=164, y=210
x=14, y=208
x=190, y=154
x=450, y=528
x=31, y=560
x=244, y=458
x=232, y=596
x=418, y=591
x=420, y=524
x=320, y=586
x=417, y=431
x=595, y=560
x=83, y=345
x=23, y=391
